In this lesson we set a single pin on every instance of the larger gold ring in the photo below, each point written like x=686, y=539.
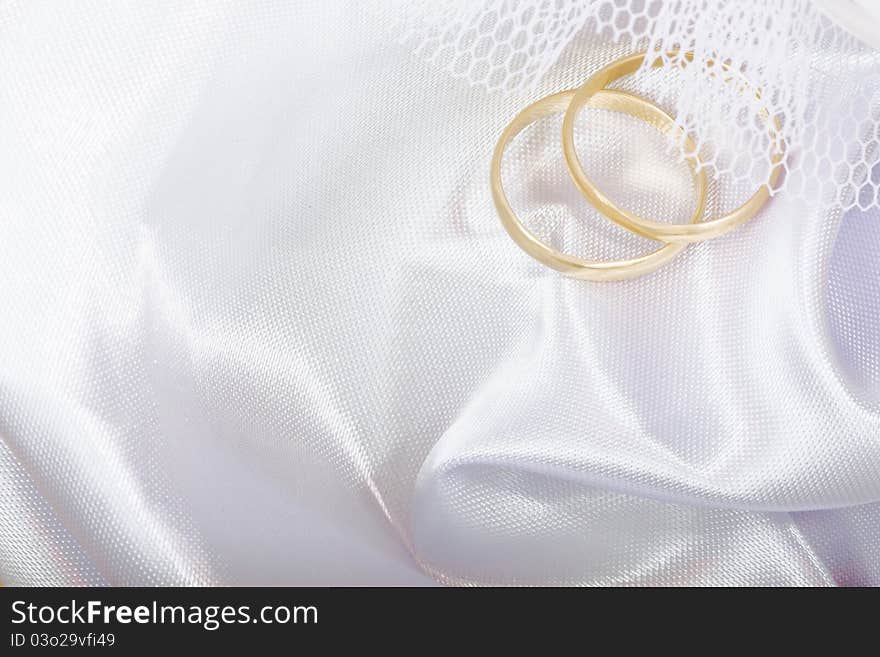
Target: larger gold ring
x=665, y=232
x=567, y=264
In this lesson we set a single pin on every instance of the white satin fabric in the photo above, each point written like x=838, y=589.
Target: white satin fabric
x=261, y=325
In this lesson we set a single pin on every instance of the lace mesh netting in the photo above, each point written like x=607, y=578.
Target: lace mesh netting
x=821, y=84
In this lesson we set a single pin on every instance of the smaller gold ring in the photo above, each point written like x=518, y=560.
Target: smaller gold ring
x=665, y=232
x=567, y=264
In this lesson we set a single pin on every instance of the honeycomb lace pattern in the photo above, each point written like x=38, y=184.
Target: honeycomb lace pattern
x=821, y=84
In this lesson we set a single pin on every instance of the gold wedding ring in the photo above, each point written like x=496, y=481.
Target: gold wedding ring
x=567, y=264
x=667, y=232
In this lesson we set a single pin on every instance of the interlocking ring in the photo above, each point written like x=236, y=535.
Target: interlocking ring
x=571, y=265
x=665, y=232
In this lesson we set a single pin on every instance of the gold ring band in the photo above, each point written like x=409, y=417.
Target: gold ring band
x=665, y=232
x=567, y=264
